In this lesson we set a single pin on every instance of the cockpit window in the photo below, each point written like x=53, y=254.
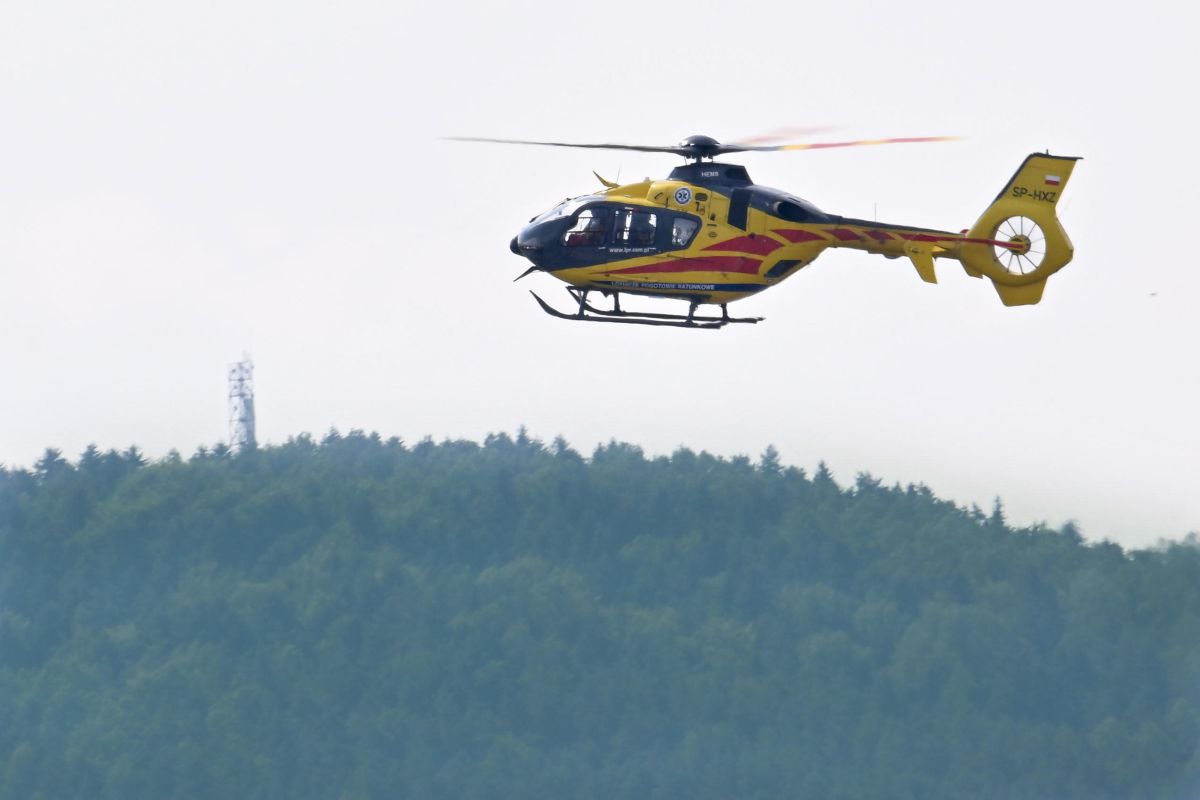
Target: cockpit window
x=590, y=230
x=682, y=231
x=564, y=209
x=635, y=227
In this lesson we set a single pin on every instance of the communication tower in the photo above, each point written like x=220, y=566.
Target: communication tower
x=241, y=406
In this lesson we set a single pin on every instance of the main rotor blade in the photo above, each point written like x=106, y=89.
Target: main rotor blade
x=639, y=147
x=697, y=147
x=857, y=143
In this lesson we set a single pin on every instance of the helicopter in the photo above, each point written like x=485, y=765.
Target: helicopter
x=708, y=235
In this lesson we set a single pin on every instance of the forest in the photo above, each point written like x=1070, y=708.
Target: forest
x=357, y=617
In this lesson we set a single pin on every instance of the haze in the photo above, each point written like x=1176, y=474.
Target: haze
x=182, y=184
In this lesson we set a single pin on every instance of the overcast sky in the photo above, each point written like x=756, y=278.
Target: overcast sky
x=180, y=183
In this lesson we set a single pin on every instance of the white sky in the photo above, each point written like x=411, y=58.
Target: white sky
x=182, y=183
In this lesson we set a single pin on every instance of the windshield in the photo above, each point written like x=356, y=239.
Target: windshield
x=564, y=209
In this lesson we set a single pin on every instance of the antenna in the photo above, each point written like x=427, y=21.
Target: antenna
x=241, y=405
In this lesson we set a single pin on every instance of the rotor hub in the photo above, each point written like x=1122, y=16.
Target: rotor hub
x=699, y=146
x=1021, y=244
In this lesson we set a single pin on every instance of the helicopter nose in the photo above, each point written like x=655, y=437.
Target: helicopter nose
x=528, y=242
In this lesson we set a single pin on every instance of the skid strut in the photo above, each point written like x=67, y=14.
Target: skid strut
x=590, y=313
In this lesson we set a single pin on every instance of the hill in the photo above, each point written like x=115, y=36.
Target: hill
x=358, y=618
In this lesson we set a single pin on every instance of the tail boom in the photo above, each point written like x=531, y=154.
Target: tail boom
x=1017, y=243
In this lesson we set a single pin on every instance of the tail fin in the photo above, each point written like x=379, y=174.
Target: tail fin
x=1018, y=242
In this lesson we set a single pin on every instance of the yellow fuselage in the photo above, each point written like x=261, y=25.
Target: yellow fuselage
x=708, y=234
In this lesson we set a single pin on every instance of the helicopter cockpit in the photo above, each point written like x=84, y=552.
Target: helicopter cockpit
x=592, y=229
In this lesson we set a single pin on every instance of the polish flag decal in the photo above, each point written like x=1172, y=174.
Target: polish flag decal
x=1053, y=180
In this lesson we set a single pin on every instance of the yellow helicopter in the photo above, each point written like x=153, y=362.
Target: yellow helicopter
x=708, y=235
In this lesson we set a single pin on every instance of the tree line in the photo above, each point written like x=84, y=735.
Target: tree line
x=355, y=617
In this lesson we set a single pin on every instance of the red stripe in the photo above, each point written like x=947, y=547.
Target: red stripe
x=993, y=242
x=747, y=266
x=759, y=245
x=880, y=236
x=795, y=236
x=845, y=234
x=924, y=237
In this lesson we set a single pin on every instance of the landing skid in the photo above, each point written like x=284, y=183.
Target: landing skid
x=589, y=313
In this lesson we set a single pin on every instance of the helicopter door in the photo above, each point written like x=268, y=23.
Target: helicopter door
x=591, y=228
x=636, y=231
